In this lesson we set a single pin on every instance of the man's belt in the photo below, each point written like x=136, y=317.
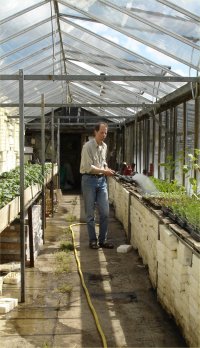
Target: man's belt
x=95, y=175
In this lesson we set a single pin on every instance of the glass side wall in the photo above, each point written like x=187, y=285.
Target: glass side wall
x=173, y=139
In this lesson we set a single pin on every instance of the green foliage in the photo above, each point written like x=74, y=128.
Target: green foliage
x=66, y=246
x=170, y=163
x=63, y=262
x=71, y=218
x=190, y=166
x=65, y=289
x=166, y=186
x=10, y=181
x=173, y=196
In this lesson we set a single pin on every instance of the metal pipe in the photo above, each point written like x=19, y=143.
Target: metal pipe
x=66, y=117
x=22, y=185
x=43, y=162
x=81, y=104
x=58, y=151
x=52, y=161
x=69, y=78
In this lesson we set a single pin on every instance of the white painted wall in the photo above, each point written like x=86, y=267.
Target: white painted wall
x=174, y=265
x=9, y=142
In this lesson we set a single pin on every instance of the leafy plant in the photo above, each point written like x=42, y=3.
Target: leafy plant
x=63, y=261
x=189, y=165
x=191, y=169
x=173, y=196
x=65, y=289
x=167, y=186
x=10, y=181
x=66, y=246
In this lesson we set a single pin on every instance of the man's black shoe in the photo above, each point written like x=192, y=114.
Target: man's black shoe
x=106, y=245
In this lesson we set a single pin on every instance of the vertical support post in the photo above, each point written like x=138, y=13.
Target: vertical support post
x=144, y=140
x=184, y=139
x=197, y=131
x=129, y=218
x=166, y=141
x=153, y=140
x=22, y=210
x=133, y=148
x=52, y=161
x=136, y=144
x=171, y=139
x=58, y=151
x=140, y=146
x=174, y=139
x=160, y=143
x=30, y=225
x=146, y=144
x=43, y=164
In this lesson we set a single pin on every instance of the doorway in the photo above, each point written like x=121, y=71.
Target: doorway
x=70, y=155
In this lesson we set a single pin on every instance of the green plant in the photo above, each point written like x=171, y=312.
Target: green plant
x=189, y=165
x=191, y=170
x=10, y=181
x=66, y=246
x=167, y=186
x=71, y=218
x=169, y=165
x=68, y=233
x=65, y=289
x=45, y=345
x=173, y=196
x=62, y=263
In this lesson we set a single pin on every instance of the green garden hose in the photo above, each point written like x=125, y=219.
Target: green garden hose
x=103, y=338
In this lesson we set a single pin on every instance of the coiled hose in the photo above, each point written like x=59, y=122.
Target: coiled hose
x=103, y=338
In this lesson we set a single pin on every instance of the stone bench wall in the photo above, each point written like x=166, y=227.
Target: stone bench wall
x=174, y=266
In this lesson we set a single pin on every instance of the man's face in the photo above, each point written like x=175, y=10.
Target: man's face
x=102, y=133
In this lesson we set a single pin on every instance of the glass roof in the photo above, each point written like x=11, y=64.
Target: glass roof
x=117, y=38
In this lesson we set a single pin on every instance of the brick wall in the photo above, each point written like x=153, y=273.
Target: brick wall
x=174, y=265
x=9, y=142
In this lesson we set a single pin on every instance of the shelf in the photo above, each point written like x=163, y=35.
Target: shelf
x=10, y=211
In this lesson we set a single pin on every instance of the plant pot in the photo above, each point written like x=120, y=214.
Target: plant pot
x=165, y=210
x=153, y=202
x=193, y=231
x=172, y=216
x=168, y=212
x=195, y=235
x=180, y=221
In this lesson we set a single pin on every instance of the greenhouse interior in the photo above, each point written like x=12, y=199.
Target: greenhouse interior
x=132, y=67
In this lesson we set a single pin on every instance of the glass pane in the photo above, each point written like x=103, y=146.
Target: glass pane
x=105, y=52
x=191, y=5
x=165, y=17
x=190, y=136
x=11, y=7
x=145, y=34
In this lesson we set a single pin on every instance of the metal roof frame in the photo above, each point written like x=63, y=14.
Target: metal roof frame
x=57, y=54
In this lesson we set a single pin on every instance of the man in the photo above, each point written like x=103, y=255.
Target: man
x=94, y=171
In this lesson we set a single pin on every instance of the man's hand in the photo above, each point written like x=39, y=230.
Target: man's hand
x=109, y=172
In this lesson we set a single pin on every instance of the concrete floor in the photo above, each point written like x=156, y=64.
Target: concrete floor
x=56, y=312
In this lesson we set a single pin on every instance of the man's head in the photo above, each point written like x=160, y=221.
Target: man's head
x=100, y=132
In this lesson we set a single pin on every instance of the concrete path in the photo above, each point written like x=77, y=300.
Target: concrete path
x=56, y=312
